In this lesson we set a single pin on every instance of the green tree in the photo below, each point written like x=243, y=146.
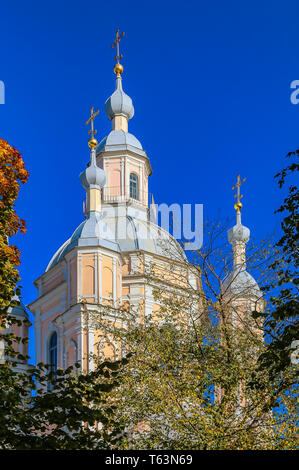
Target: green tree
x=39, y=408
x=193, y=381
x=282, y=324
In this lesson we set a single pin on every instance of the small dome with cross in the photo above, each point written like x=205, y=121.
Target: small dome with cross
x=119, y=104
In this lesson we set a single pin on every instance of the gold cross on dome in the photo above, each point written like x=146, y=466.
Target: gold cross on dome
x=91, y=119
x=116, y=43
x=237, y=186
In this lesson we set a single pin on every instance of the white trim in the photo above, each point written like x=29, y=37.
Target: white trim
x=141, y=184
x=122, y=163
x=73, y=342
x=80, y=340
x=114, y=283
x=52, y=329
x=79, y=276
x=90, y=349
x=106, y=189
x=127, y=192
x=96, y=283
x=100, y=276
x=57, y=310
x=41, y=301
x=68, y=283
x=37, y=327
x=100, y=347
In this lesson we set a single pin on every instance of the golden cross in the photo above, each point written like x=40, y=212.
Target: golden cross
x=116, y=43
x=238, y=204
x=92, y=116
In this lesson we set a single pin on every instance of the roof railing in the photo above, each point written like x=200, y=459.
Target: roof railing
x=118, y=194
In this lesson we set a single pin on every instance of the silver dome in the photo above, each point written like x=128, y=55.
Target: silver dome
x=105, y=231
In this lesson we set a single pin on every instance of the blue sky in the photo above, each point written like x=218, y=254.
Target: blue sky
x=210, y=82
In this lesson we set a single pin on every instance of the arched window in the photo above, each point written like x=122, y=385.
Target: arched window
x=53, y=351
x=133, y=186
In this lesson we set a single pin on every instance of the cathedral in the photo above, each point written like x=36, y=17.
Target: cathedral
x=105, y=263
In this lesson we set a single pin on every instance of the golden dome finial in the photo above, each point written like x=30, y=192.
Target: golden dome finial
x=118, y=68
x=92, y=141
x=238, y=205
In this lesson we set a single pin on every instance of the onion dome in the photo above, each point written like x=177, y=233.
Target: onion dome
x=18, y=310
x=239, y=283
x=120, y=141
x=119, y=104
x=107, y=232
x=93, y=176
x=238, y=233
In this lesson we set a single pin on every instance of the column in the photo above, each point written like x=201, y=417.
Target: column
x=114, y=282
x=122, y=177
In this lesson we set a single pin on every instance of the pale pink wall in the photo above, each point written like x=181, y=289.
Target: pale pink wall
x=114, y=179
x=135, y=169
x=118, y=281
x=88, y=275
x=68, y=336
x=73, y=280
x=70, y=355
x=45, y=326
x=17, y=330
x=49, y=282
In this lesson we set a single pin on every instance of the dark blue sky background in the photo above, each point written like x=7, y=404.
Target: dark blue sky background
x=210, y=82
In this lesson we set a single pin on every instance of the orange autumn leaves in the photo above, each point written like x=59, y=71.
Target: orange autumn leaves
x=12, y=175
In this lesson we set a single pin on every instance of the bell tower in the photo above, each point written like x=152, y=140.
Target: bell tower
x=240, y=292
x=120, y=154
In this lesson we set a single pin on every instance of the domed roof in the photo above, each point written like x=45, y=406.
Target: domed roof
x=119, y=104
x=147, y=236
x=238, y=233
x=93, y=176
x=241, y=284
x=91, y=232
x=18, y=310
x=106, y=232
x=120, y=140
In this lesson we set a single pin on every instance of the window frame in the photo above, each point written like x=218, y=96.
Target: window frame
x=134, y=180
x=53, y=351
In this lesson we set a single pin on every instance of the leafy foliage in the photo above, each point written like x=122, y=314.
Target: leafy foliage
x=39, y=408
x=193, y=380
x=65, y=416
x=183, y=388
x=12, y=175
x=282, y=325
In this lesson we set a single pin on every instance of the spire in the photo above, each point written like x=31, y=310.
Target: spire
x=238, y=205
x=239, y=235
x=93, y=178
x=119, y=106
x=92, y=141
x=118, y=68
x=239, y=283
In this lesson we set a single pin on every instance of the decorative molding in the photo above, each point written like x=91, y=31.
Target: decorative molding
x=114, y=293
x=107, y=340
x=68, y=283
x=73, y=342
x=122, y=176
x=100, y=276
x=96, y=283
x=52, y=328
x=90, y=349
x=79, y=294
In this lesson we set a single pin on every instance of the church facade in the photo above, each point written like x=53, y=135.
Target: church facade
x=108, y=260
x=117, y=256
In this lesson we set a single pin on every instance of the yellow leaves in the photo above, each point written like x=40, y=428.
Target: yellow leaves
x=12, y=173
